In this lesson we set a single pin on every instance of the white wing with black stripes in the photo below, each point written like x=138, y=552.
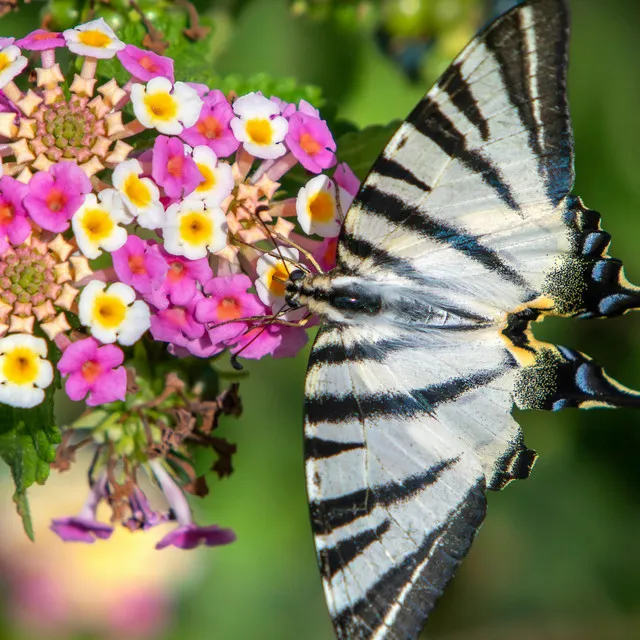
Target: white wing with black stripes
x=463, y=234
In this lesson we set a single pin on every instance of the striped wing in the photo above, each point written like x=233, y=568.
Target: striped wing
x=397, y=473
x=469, y=208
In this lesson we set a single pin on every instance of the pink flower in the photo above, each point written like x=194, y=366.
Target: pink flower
x=325, y=254
x=277, y=340
x=14, y=225
x=212, y=128
x=55, y=195
x=94, y=370
x=310, y=141
x=177, y=324
x=346, y=179
x=172, y=169
x=228, y=300
x=140, y=264
x=144, y=65
x=179, y=285
x=41, y=40
x=286, y=108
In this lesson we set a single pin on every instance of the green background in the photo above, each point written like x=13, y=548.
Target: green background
x=559, y=555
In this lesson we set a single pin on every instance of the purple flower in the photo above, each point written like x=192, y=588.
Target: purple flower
x=41, y=40
x=144, y=65
x=55, y=195
x=188, y=534
x=93, y=370
x=310, y=141
x=177, y=324
x=84, y=527
x=212, y=128
x=172, y=169
x=14, y=225
x=179, y=285
x=142, y=515
x=140, y=264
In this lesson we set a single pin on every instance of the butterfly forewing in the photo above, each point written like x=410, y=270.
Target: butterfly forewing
x=466, y=230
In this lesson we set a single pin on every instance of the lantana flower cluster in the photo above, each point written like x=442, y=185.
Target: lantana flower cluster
x=147, y=213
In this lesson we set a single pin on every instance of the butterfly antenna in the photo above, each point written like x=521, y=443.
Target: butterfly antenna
x=272, y=320
x=274, y=234
x=258, y=211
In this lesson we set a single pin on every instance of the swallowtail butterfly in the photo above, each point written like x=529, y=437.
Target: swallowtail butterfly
x=463, y=234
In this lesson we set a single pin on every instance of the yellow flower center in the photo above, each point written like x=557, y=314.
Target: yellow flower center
x=4, y=61
x=109, y=311
x=309, y=144
x=162, y=105
x=90, y=371
x=94, y=38
x=209, y=178
x=209, y=127
x=260, y=131
x=97, y=224
x=7, y=213
x=321, y=207
x=21, y=366
x=277, y=278
x=195, y=228
x=147, y=63
x=137, y=191
x=228, y=309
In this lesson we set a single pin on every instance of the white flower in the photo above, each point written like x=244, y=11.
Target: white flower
x=259, y=127
x=95, y=224
x=273, y=273
x=11, y=64
x=191, y=229
x=167, y=107
x=317, y=209
x=113, y=313
x=140, y=195
x=218, y=177
x=95, y=39
x=24, y=370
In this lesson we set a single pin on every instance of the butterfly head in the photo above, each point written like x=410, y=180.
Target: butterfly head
x=338, y=299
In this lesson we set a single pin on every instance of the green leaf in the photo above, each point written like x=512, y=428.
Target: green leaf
x=27, y=439
x=359, y=149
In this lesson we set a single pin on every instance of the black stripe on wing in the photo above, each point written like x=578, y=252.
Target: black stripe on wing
x=412, y=219
x=318, y=448
x=329, y=408
x=459, y=92
x=336, y=558
x=332, y=513
x=428, y=119
x=430, y=567
x=391, y=169
x=546, y=119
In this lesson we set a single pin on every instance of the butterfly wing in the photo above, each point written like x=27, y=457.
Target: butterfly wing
x=475, y=183
x=468, y=207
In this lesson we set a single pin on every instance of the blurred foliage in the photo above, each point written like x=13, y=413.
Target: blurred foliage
x=556, y=558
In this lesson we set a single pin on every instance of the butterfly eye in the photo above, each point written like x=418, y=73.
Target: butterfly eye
x=296, y=275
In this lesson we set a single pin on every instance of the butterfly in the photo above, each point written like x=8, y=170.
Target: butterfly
x=463, y=234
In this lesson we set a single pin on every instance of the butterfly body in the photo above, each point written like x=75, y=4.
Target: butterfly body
x=463, y=234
